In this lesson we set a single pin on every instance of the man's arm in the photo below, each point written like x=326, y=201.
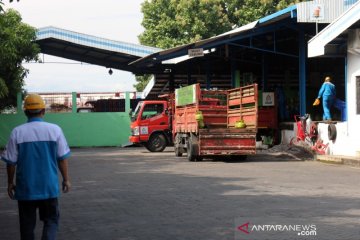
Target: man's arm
x=63, y=167
x=321, y=91
x=11, y=186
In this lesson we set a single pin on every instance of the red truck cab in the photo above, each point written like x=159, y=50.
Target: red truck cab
x=150, y=125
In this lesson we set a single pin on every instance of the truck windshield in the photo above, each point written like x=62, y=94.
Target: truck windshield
x=135, y=114
x=152, y=110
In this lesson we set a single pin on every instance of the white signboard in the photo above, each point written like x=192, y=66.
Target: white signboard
x=317, y=12
x=268, y=99
x=144, y=130
x=196, y=52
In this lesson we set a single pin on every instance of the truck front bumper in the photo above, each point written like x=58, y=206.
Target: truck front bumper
x=134, y=139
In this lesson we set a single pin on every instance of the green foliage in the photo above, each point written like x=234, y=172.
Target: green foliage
x=142, y=81
x=170, y=23
x=285, y=3
x=16, y=45
x=242, y=12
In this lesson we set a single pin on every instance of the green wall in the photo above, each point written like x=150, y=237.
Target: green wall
x=94, y=129
x=80, y=129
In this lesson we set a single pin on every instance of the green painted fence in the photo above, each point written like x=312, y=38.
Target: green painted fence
x=96, y=129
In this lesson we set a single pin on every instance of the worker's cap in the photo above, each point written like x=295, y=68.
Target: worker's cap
x=327, y=79
x=34, y=103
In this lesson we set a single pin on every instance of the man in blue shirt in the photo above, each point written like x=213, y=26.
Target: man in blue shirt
x=328, y=94
x=35, y=151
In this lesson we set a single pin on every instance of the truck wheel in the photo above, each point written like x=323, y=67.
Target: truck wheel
x=157, y=143
x=192, y=149
x=199, y=158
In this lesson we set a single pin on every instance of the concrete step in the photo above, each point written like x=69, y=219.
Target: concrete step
x=339, y=159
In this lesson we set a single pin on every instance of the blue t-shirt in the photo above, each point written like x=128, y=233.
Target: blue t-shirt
x=35, y=147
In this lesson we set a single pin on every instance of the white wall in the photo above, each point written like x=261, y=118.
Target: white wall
x=353, y=126
x=348, y=133
x=343, y=144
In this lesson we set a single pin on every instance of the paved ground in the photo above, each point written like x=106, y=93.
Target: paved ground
x=133, y=194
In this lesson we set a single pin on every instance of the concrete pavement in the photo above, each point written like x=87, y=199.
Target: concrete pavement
x=134, y=194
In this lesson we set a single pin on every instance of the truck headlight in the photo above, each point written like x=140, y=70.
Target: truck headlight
x=135, y=131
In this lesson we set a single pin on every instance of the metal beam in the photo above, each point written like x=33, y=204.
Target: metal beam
x=264, y=50
x=264, y=72
x=208, y=74
x=233, y=72
x=171, y=82
x=302, y=72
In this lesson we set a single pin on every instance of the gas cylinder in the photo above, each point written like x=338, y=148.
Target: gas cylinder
x=200, y=119
x=240, y=124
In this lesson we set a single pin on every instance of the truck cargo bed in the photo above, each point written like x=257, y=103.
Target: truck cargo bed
x=215, y=123
x=227, y=141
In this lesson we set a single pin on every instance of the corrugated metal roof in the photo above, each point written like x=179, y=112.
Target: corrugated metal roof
x=90, y=49
x=95, y=42
x=349, y=3
x=332, y=9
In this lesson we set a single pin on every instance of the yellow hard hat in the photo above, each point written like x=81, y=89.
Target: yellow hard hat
x=34, y=102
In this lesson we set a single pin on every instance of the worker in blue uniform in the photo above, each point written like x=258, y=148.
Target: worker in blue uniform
x=34, y=153
x=328, y=94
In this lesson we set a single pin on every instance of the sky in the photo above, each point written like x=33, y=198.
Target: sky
x=118, y=20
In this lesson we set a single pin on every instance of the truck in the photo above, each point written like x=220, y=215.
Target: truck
x=151, y=125
x=215, y=123
x=160, y=123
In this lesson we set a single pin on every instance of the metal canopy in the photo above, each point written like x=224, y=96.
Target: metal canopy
x=90, y=49
x=273, y=35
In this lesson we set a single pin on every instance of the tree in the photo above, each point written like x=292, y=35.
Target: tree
x=242, y=12
x=17, y=44
x=170, y=23
x=142, y=81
